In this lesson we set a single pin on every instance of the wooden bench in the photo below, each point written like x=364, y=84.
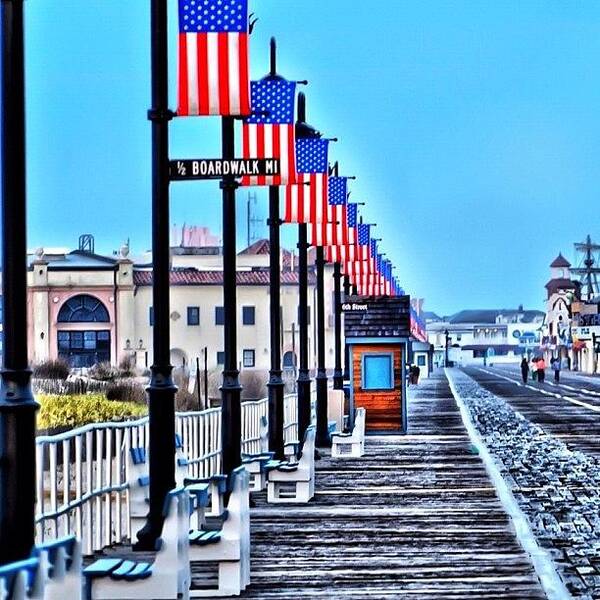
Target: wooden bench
x=290, y=482
x=22, y=580
x=167, y=578
x=61, y=563
x=229, y=547
x=350, y=444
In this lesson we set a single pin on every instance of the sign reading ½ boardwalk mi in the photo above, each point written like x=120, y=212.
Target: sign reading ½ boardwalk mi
x=216, y=168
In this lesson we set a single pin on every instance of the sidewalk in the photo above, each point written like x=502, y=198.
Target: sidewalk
x=417, y=517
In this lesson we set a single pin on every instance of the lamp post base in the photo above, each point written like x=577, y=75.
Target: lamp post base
x=322, y=440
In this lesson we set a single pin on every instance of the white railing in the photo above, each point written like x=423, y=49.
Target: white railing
x=82, y=474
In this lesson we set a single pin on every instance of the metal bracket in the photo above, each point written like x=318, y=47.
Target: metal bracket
x=157, y=115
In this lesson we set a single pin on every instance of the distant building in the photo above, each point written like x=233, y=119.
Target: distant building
x=485, y=336
x=89, y=308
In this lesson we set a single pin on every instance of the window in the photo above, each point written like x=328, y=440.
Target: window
x=249, y=358
x=219, y=316
x=83, y=309
x=377, y=372
x=248, y=315
x=151, y=316
x=420, y=360
x=221, y=358
x=193, y=315
x=84, y=348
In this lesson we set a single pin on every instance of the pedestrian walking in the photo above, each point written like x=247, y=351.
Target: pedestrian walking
x=416, y=374
x=556, y=368
x=541, y=370
x=524, y=369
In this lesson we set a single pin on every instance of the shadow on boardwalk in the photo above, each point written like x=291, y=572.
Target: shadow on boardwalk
x=417, y=517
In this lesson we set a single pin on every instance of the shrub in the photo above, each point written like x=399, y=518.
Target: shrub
x=254, y=384
x=126, y=391
x=127, y=366
x=103, y=371
x=185, y=401
x=74, y=411
x=52, y=369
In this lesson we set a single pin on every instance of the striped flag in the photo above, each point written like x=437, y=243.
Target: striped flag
x=306, y=201
x=213, y=75
x=269, y=131
x=334, y=231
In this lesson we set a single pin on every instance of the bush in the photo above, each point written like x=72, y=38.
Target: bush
x=103, y=371
x=186, y=401
x=74, y=411
x=127, y=366
x=52, y=369
x=126, y=391
x=254, y=384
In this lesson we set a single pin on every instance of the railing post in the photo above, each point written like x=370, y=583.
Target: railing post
x=17, y=405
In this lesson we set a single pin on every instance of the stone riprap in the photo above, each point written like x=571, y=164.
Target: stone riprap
x=556, y=488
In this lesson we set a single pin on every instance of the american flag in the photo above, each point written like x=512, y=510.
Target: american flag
x=334, y=231
x=269, y=131
x=308, y=203
x=213, y=58
x=364, y=234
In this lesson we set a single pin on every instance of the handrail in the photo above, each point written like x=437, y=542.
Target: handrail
x=82, y=473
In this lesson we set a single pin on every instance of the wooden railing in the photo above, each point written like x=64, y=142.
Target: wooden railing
x=82, y=474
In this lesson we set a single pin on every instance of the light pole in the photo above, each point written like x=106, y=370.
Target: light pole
x=17, y=405
x=447, y=340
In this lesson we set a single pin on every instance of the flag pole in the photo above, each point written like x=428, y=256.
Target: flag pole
x=275, y=385
x=304, y=381
x=231, y=409
x=17, y=404
x=161, y=391
x=338, y=376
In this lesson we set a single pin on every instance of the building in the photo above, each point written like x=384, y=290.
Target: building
x=484, y=336
x=89, y=308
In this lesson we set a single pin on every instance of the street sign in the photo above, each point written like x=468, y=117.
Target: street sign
x=217, y=168
x=354, y=307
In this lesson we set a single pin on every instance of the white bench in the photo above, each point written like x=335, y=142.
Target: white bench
x=229, y=547
x=294, y=482
x=22, y=580
x=350, y=444
x=167, y=578
x=256, y=463
x=61, y=563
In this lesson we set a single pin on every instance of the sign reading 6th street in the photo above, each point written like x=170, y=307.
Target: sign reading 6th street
x=216, y=168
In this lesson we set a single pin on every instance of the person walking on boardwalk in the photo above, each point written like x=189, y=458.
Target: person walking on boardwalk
x=556, y=368
x=541, y=370
x=524, y=369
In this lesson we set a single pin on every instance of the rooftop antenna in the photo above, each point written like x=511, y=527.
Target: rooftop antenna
x=86, y=243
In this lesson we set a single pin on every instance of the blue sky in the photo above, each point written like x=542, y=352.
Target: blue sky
x=472, y=127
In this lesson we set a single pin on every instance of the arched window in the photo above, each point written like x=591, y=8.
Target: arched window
x=83, y=309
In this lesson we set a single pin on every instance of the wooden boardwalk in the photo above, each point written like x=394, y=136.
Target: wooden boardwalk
x=417, y=517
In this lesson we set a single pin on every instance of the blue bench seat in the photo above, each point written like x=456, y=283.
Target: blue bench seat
x=200, y=537
x=118, y=569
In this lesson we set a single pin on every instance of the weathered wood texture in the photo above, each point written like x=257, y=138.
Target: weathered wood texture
x=417, y=518
x=383, y=406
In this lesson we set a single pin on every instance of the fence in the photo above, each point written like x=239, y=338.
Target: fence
x=82, y=474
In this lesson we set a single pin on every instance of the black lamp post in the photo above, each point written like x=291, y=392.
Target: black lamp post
x=275, y=385
x=17, y=405
x=161, y=392
x=338, y=374
x=447, y=342
x=322, y=436
x=304, y=381
x=231, y=408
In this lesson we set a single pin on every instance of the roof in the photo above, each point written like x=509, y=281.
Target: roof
x=560, y=261
x=77, y=259
x=485, y=316
x=385, y=317
x=428, y=315
x=560, y=283
x=263, y=247
x=190, y=276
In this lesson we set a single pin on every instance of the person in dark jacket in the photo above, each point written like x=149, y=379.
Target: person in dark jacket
x=524, y=369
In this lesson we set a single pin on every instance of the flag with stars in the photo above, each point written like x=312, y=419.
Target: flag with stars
x=269, y=131
x=306, y=201
x=333, y=231
x=364, y=234
x=213, y=72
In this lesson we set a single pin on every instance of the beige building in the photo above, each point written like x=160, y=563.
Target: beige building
x=89, y=308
